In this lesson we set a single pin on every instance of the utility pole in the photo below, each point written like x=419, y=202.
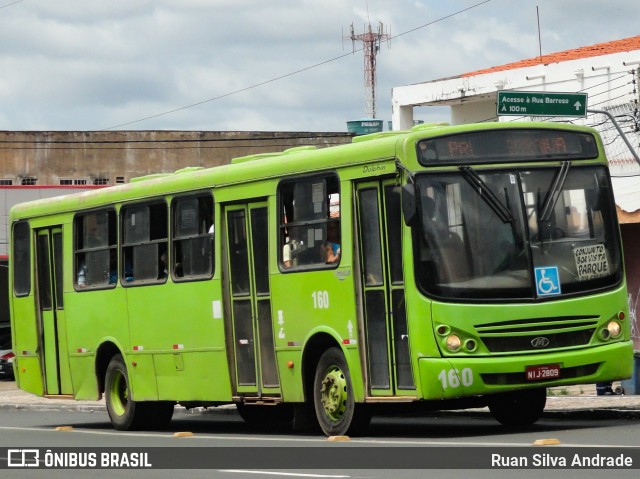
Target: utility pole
x=371, y=41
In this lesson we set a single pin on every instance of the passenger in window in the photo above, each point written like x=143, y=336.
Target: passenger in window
x=128, y=269
x=291, y=249
x=163, y=271
x=332, y=248
x=82, y=274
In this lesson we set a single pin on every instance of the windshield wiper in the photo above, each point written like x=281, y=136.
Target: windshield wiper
x=487, y=194
x=555, y=191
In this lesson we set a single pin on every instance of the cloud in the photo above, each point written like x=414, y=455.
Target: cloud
x=78, y=65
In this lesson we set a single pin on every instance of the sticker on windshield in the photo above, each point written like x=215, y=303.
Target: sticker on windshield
x=547, y=281
x=591, y=261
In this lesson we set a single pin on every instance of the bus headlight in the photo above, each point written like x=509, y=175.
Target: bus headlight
x=614, y=329
x=453, y=343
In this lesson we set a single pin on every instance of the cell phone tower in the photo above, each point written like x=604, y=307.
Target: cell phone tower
x=371, y=41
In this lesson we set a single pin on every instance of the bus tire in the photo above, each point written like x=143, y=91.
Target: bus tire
x=518, y=408
x=335, y=406
x=125, y=414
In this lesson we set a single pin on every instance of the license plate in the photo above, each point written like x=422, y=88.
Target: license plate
x=542, y=373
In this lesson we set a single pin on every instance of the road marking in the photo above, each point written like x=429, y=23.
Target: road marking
x=354, y=442
x=289, y=474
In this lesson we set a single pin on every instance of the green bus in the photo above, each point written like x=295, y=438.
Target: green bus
x=438, y=268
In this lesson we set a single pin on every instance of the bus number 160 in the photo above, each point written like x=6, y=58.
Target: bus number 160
x=453, y=377
x=320, y=299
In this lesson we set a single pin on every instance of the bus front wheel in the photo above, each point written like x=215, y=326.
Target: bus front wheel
x=518, y=408
x=335, y=406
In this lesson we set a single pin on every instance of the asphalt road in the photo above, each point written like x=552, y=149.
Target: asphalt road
x=455, y=437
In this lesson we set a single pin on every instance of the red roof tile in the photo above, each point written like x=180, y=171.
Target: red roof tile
x=616, y=46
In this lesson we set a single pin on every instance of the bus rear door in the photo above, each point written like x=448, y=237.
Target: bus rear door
x=51, y=315
x=249, y=298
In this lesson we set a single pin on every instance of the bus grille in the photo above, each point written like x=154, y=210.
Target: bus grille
x=537, y=334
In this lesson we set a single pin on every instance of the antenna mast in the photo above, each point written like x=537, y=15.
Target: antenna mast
x=371, y=41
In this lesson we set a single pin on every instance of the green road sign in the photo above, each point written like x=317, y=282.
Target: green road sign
x=533, y=103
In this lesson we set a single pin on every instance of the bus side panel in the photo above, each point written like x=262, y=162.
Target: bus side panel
x=83, y=374
x=28, y=367
x=421, y=337
x=180, y=325
x=303, y=300
x=194, y=376
x=92, y=316
x=352, y=353
x=422, y=341
x=290, y=377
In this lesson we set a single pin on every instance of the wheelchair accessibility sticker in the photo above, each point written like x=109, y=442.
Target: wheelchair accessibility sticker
x=547, y=281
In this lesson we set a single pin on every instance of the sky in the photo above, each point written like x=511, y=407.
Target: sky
x=276, y=65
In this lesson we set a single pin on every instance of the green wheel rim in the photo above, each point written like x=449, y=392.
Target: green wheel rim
x=333, y=393
x=118, y=393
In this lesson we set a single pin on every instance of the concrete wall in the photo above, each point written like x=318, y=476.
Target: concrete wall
x=12, y=195
x=118, y=156
x=109, y=157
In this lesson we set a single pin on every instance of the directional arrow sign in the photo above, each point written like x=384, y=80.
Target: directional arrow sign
x=530, y=103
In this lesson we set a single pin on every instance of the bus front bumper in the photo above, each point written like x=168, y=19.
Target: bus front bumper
x=455, y=377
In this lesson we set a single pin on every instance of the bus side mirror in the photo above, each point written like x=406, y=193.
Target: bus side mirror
x=409, y=205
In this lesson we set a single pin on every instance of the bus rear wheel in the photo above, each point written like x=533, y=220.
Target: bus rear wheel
x=518, y=408
x=335, y=406
x=126, y=414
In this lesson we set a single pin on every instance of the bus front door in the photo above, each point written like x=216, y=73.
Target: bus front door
x=385, y=323
x=51, y=315
x=250, y=300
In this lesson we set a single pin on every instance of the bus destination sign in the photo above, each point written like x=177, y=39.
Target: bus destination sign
x=529, y=103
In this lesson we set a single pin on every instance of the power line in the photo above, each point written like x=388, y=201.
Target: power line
x=9, y=4
x=256, y=85
x=286, y=75
x=440, y=19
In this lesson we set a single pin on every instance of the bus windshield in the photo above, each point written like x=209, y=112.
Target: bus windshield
x=518, y=234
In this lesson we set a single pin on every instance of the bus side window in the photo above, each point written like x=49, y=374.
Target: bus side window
x=95, y=249
x=193, y=236
x=144, y=243
x=309, y=222
x=21, y=258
